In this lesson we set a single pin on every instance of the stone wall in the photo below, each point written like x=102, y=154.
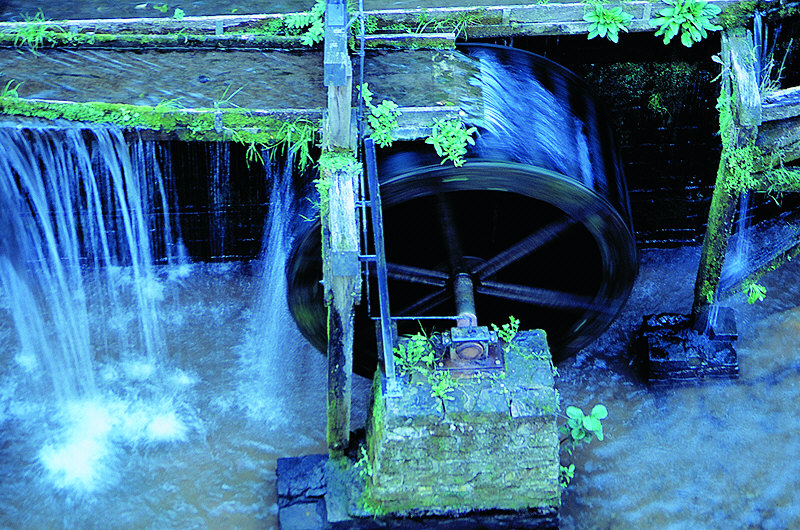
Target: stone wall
x=494, y=446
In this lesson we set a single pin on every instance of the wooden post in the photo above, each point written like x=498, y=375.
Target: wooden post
x=342, y=287
x=340, y=241
x=743, y=103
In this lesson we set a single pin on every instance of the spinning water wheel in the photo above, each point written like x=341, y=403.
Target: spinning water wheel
x=535, y=224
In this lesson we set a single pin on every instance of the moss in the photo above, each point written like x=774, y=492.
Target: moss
x=239, y=125
x=738, y=14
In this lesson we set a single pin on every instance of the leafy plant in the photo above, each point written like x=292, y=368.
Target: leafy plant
x=754, y=292
x=415, y=355
x=607, y=23
x=161, y=7
x=579, y=430
x=310, y=23
x=450, y=139
x=382, y=118
x=442, y=383
x=690, y=18
x=179, y=14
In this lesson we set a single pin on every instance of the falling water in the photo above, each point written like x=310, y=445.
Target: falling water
x=78, y=210
x=73, y=201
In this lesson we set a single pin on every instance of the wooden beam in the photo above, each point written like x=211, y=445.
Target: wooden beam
x=737, y=46
x=519, y=19
x=781, y=104
x=342, y=280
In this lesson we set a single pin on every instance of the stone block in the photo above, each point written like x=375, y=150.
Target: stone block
x=493, y=447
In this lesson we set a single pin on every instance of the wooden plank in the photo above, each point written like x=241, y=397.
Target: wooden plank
x=342, y=282
x=781, y=104
x=526, y=19
x=782, y=135
x=742, y=65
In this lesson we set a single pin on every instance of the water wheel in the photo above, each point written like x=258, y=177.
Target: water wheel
x=537, y=217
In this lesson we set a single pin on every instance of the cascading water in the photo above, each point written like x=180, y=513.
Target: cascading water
x=70, y=199
x=124, y=363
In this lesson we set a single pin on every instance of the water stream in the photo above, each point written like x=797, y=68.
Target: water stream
x=134, y=394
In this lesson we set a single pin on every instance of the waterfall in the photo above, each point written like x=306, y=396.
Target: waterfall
x=76, y=251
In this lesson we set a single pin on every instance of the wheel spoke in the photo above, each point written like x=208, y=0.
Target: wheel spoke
x=408, y=273
x=452, y=242
x=541, y=297
x=527, y=245
x=426, y=303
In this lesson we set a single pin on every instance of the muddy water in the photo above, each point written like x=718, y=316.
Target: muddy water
x=713, y=455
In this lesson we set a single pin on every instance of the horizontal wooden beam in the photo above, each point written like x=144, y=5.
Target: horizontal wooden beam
x=507, y=20
x=781, y=104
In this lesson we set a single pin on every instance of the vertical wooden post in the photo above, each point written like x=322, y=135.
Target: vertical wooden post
x=742, y=102
x=342, y=285
x=341, y=270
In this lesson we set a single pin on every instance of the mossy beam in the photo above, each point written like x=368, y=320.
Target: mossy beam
x=268, y=127
x=249, y=31
x=737, y=131
x=498, y=21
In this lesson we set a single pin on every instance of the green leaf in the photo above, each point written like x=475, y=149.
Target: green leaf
x=686, y=39
x=600, y=412
x=592, y=424
x=578, y=434
x=574, y=413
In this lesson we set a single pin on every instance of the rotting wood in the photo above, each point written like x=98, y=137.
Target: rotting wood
x=782, y=136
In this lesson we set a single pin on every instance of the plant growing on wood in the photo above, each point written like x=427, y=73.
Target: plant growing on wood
x=10, y=90
x=310, y=23
x=179, y=14
x=382, y=117
x=35, y=31
x=607, y=23
x=690, y=18
x=450, y=139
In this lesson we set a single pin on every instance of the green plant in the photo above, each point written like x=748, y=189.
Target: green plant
x=450, y=139
x=754, y=292
x=35, y=31
x=382, y=118
x=363, y=464
x=225, y=99
x=442, y=383
x=607, y=23
x=415, y=355
x=161, y=7
x=690, y=18
x=310, y=24
x=10, y=91
x=507, y=332
x=179, y=14
x=579, y=430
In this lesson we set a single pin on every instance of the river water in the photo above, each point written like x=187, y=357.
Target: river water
x=712, y=455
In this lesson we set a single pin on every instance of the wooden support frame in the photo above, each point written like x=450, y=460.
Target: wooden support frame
x=741, y=96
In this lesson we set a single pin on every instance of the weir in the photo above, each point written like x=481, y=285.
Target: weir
x=114, y=189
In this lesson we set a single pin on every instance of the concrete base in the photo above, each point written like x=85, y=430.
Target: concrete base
x=673, y=349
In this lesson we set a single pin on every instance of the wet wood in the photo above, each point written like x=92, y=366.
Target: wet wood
x=342, y=280
x=743, y=69
x=737, y=45
x=781, y=104
x=515, y=19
